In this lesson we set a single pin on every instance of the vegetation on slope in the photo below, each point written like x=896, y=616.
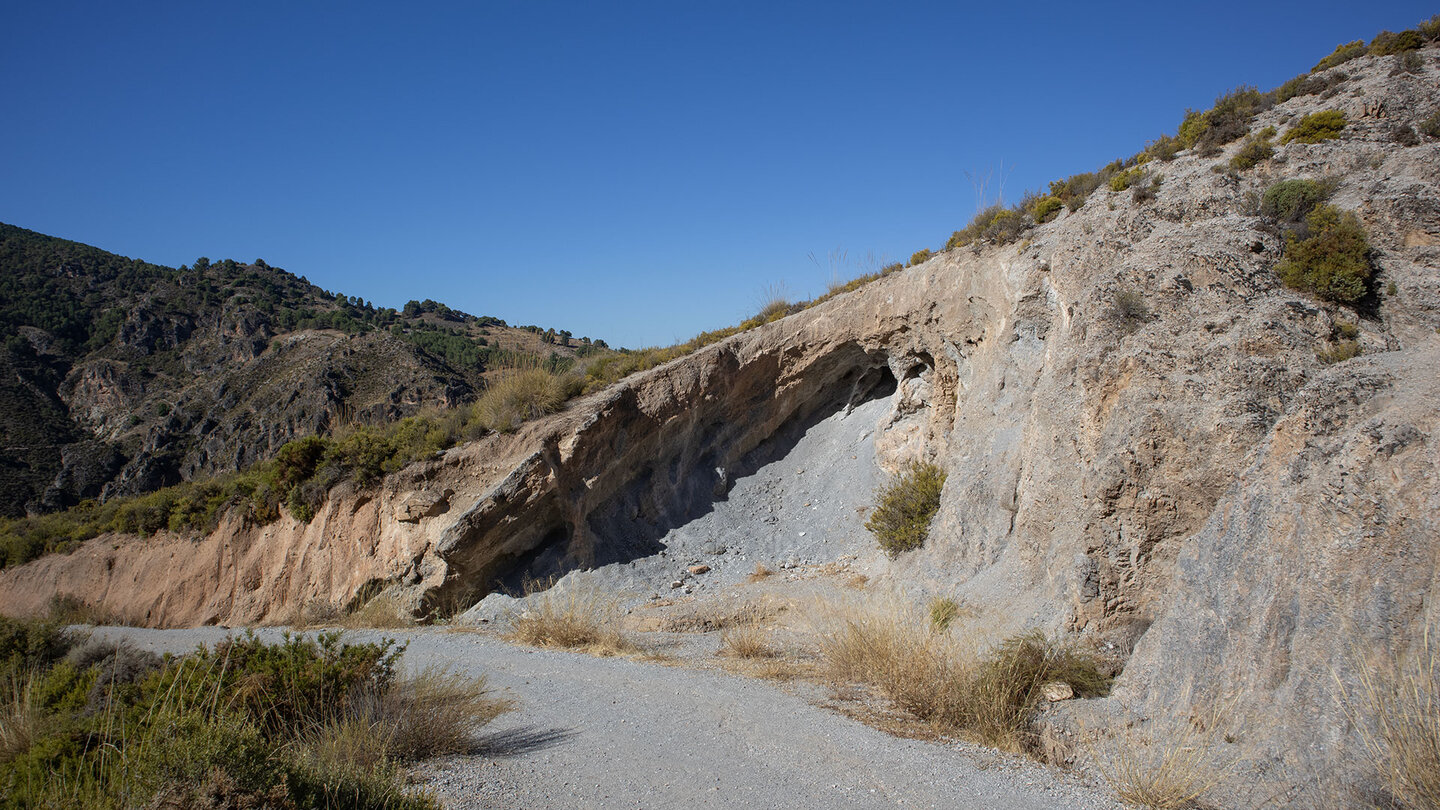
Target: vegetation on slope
x=86, y=723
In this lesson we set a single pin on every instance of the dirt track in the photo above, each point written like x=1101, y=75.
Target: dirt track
x=614, y=733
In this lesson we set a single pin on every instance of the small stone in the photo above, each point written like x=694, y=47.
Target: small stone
x=1056, y=691
x=699, y=569
x=677, y=583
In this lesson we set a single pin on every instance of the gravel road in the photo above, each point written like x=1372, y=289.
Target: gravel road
x=615, y=733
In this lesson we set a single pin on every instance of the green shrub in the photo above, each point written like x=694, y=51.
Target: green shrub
x=1047, y=207
x=1255, y=150
x=1308, y=85
x=1342, y=54
x=905, y=506
x=1331, y=259
x=1228, y=120
x=1290, y=201
x=1128, y=309
x=1126, y=179
x=1405, y=135
x=1430, y=29
x=1387, y=43
x=1164, y=148
x=300, y=724
x=920, y=256
x=1316, y=127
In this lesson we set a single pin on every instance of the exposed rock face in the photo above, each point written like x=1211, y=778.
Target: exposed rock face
x=1196, y=471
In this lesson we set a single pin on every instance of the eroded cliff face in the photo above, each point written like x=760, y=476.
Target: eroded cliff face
x=1194, y=476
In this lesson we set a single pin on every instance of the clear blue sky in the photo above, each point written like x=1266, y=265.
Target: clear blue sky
x=638, y=172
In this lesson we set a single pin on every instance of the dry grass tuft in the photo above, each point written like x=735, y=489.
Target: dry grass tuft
x=523, y=394
x=1401, y=700
x=570, y=615
x=746, y=640
x=761, y=573
x=382, y=611
x=1170, y=766
x=21, y=715
x=958, y=684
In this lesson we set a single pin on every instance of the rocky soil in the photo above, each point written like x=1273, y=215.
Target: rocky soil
x=1194, y=485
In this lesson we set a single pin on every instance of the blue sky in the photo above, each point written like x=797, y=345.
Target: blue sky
x=637, y=172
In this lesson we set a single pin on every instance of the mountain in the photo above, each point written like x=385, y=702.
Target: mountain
x=1185, y=407
x=118, y=376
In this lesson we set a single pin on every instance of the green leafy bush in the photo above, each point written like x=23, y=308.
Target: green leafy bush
x=920, y=256
x=1316, y=127
x=1387, y=43
x=1047, y=207
x=1290, y=201
x=1126, y=179
x=996, y=223
x=905, y=506
x=1331, y=258
x=1251, y=154
x=299, y=724
x=1164, y=148
x=1342, y=54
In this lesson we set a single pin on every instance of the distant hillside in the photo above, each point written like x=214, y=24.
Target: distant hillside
x=118, y=376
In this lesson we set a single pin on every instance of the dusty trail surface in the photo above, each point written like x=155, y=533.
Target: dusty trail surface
x=614, y=733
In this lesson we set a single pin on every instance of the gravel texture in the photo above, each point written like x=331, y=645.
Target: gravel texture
x=616, y=733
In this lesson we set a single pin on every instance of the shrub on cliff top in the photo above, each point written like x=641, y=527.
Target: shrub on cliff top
x=1343, y=53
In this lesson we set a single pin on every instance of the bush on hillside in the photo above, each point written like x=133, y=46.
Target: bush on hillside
x=1316, y=127
x=1330, y=258
x=905, y=506
x=1228, y=120
x=1290, y=201
x=1342, y=54
x=920, y=256
x=1387, y=43
x=1046, y=208
x=1126, y=179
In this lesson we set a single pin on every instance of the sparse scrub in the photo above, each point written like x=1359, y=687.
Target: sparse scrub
x=569, y=615
x=1407, y=62
x=1405, y=135
x=1128, y=309
x=990, y=694
x=1164, y=148
x=1338, y=352
x=746, y=639
x=1387, y=43
x=905, y=506
x=1397, y=710
x=1330, y=257
x=1430, y=126
x=920, y=256
x=1171, y=765
x=1342, y=54
x=1228, y=120
x=299, y=724
x=1316, y=127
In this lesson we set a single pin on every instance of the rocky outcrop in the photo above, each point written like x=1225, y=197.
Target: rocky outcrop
x=1189, y=480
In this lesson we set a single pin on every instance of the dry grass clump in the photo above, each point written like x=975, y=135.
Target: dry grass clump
x=381, y=611
x=523, y=394
x=748, y=640
x=761, y=572
x=1170, y=765
x=989, y=692
x=569, y=615
x=1401, y=701
x=21, y=715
